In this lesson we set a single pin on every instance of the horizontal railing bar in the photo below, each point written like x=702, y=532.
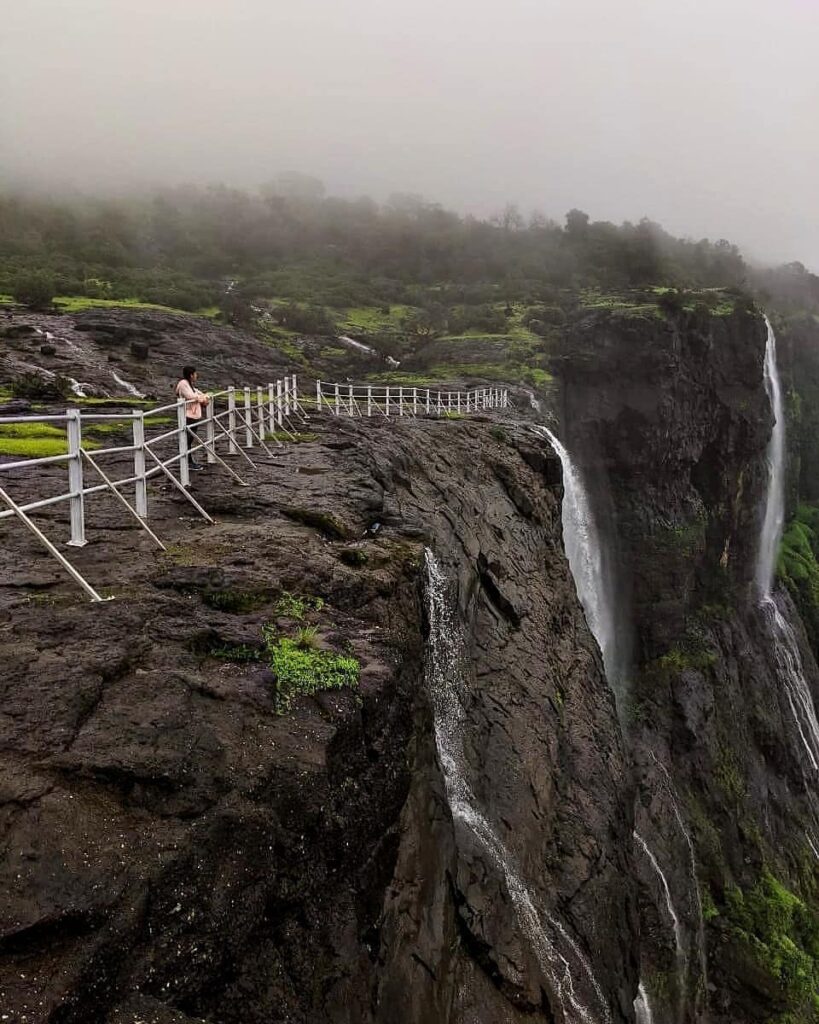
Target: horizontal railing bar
x=43, y=461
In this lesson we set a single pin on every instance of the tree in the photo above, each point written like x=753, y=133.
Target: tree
x=577, y=223
x=34, y=289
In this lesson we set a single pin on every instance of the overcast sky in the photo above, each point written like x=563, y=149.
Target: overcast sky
x=701, y=114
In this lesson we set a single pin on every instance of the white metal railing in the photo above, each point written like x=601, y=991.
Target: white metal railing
x=237, y=419
x=382, y=400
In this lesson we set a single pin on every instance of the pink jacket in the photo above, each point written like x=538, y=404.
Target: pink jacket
x=194, y=399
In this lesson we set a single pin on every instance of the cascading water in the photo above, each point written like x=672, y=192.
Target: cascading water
x=128, y=386
x=585, y=554
x=786, y=647
x=445, y=674
x=775, y=498
x=642, y=1007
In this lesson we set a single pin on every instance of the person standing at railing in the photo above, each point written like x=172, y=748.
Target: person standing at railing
x=195, y=402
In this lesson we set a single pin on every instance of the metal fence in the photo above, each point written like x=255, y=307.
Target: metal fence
x=374, y=400
x=236, y=420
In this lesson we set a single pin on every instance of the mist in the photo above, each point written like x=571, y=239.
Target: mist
x=700, y=116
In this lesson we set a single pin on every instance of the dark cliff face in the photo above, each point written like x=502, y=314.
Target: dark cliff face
x=174, y=850
x=670, y=422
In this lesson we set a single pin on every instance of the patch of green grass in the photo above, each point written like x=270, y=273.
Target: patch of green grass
x=237, y=602
x=292, y=606
x=619, y=305
x=227, y=651
x=36, y=440
x=306, y=638
x=297, y=438
x=304, y=671
x=371, y=319
x=77, y=303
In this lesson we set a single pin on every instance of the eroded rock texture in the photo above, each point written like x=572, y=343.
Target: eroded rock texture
x=173, y=850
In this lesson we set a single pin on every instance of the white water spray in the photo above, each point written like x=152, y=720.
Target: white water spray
x=585, y=554
x=444, y=676
x=128, y=387
x=642, y=1007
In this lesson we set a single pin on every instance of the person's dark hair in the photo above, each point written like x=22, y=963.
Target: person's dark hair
x=188, y=372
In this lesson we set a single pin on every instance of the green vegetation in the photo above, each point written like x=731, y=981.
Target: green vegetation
x=78, y=303
x=685, y=656
x=297, y=438
x=237, y=602
x=798, y=567
x=228, y=651
x=37, y=440
x=33, y=288
x=291, y=606
x=303, y=670
x=781, y=935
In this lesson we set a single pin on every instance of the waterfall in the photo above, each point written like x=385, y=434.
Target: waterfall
x=791, y=673
x=786, y=646
x=642, y=1008
x=585, y=554
x=675, y=921
x=128, y=387
x=672, y=796
x=775, y=499
x=445, y=675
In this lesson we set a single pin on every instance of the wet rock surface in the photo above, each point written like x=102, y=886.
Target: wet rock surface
x=145, y=348
x=173, y=850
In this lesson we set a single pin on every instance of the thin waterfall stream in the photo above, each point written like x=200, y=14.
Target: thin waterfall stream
x=558, y=955
x=584, y=551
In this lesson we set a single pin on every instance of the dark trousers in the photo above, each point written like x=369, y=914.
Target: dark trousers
x=193, y=437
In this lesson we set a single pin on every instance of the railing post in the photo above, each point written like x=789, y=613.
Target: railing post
x=140, y=483
x=232, y=447
x=75, y=484
x=182, y=442
x=338, y=400
x=415, y=401
x=260, y=411
x=248, y=413
x=210, y=432
x=369, y=399
x=295, y=393
x=428, y=402
x=286, y=396
x=350, y=399
x=400, y=401
x=279, y=417
x=271, y=409
x=387, y=400
x=459, y=401
x=318, y=396
x=449, y=401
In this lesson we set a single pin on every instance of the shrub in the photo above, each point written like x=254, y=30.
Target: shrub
x=34, y=289
x=289, y=606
